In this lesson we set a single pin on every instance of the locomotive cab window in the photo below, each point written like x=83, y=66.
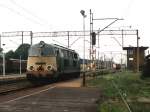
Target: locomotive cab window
x=44, y=51
x=47, y=51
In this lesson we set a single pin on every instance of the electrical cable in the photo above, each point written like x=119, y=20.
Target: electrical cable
x=20, y=14
x=41, y=21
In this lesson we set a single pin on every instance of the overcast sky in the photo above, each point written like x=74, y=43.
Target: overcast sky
x=64, y=15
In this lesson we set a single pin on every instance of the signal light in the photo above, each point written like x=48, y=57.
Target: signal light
x=93, y=38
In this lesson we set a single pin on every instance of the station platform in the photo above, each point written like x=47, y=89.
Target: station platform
x=12, y=76
x=54, y=99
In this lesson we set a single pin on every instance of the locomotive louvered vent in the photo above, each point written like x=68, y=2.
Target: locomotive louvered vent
x=40, y=63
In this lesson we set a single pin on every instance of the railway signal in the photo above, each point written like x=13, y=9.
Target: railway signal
x=93, y=38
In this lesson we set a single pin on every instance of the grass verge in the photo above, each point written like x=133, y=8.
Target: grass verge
x=133, y=89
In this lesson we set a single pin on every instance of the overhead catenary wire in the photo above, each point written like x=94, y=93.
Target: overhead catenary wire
x=65, y=33
x=15, y=11
x=31, y=14
x=59, y=34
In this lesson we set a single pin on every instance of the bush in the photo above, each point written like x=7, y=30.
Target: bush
x=146, y=68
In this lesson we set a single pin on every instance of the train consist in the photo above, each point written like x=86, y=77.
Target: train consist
x=48, y=61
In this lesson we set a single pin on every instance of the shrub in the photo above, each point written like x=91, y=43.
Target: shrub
x=146, y=68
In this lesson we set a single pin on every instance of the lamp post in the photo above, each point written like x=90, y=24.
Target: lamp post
x=3, y=62
x=20, y=65
x=84, y=16
x=138, y=50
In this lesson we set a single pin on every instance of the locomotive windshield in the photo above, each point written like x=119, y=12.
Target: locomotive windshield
x=41, y=51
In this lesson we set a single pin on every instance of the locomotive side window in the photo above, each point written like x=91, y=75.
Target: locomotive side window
x=61, y=53
x=75, y=56
x=65, y=53
x=71, y=55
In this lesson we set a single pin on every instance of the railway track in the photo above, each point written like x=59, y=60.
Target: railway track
x=61, y=96
x=15, y=85
x=18, y=85
x=21, y=84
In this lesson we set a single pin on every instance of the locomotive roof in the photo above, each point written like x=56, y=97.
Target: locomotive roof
x=61, y=47
x=42, y=43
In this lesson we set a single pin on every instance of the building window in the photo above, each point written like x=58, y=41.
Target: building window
x=130, y=52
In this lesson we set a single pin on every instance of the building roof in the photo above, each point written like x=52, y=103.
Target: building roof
x=131, y=48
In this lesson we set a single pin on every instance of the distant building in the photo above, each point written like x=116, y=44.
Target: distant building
x=132, y=57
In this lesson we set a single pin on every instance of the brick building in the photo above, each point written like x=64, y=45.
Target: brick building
x=132, y=57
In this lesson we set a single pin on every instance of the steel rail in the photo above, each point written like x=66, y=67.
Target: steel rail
x=123, y=99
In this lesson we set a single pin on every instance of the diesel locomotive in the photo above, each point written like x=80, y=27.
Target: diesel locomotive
x=48, y=61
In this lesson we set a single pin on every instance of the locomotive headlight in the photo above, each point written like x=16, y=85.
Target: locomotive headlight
x=31, y=67
x=49, y=67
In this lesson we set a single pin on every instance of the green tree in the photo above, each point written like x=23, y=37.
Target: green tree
x=9, y=54
x=22, y=51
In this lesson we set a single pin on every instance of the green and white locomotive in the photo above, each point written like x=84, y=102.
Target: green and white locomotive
x=47, y=61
